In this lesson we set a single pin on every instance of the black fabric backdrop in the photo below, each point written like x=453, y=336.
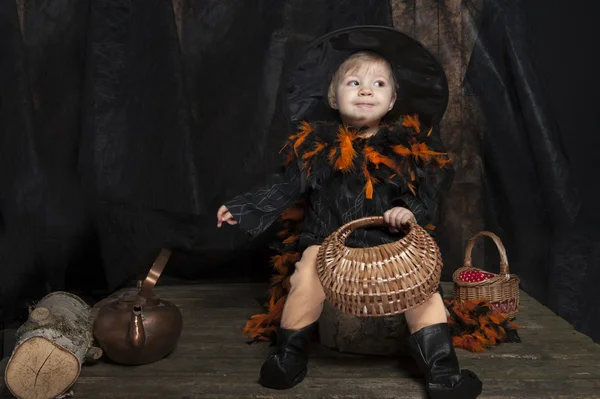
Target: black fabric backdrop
x=531, y=69
x=124, y=124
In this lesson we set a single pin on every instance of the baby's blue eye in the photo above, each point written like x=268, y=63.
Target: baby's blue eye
x=379, y=83
x=353, y=83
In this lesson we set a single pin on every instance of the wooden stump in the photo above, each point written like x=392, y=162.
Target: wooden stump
x=51, y=347
x=366, y=336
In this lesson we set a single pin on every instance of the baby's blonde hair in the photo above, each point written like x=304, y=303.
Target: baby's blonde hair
x=355, y=62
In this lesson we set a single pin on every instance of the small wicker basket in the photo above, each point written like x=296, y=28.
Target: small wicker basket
x=501, y=290
x=383, y=280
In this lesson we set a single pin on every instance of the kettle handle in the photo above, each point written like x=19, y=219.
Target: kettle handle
x=157, y=268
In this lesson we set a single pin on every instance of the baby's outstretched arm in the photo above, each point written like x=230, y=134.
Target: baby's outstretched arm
x=256, y=210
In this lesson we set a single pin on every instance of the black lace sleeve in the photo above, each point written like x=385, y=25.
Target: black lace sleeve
x=431, y=186
x=256, y=211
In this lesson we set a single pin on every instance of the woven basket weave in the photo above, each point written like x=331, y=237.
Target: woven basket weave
x=502, y=290
x=384, y=280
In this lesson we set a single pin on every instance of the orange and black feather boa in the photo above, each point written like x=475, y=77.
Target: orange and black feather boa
x=401, y=153
x=401, y=161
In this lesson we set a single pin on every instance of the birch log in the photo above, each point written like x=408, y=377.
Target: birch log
x=51, y=347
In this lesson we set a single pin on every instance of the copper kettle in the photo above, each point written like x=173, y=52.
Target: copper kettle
x=139, y=327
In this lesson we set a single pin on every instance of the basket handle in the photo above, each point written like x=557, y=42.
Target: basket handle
x=364, y=222
x=501, y=250
x=369, y=221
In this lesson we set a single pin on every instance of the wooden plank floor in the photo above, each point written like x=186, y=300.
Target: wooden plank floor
x=213, y=360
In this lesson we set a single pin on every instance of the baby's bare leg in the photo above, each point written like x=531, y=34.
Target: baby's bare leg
x=429, y=313
x=304, y=302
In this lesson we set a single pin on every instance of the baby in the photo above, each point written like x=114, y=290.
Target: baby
x=354, y=166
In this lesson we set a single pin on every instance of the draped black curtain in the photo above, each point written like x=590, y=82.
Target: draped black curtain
x=564, y=36
x=531, y=70
x=124, y=124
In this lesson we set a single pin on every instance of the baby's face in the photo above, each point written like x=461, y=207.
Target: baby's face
x=364, y=94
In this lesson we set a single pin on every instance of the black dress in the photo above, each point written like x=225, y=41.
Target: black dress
x=344, y=177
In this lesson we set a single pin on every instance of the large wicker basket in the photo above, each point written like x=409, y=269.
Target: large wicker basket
x=501, y=290
x=383, y=280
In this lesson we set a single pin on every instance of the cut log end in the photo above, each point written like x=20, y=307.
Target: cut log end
x=93, y=354
x=39, y=314
x=40, y=369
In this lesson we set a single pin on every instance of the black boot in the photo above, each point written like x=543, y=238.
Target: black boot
x=432, y=348
x=286, y=367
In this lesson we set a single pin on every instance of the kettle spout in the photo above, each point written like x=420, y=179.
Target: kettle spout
x=137, y=334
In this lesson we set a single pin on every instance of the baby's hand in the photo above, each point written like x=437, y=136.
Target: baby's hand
x=223, y=215
x=397, y=217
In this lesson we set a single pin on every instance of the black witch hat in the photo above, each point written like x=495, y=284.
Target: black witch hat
x=422, y=83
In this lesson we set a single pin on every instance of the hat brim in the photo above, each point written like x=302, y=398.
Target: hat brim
x=423, y=87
